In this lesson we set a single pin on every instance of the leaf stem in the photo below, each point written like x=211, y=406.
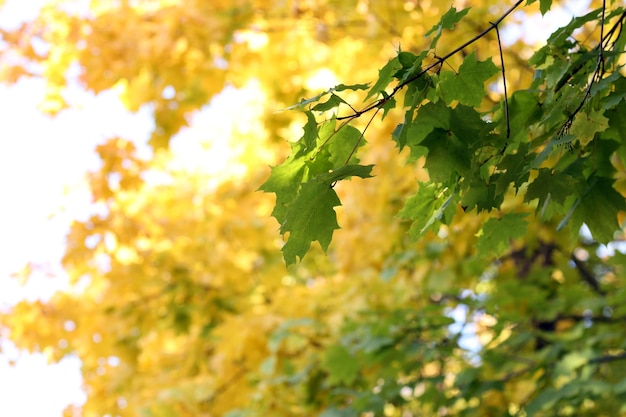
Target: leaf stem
x=356, y=145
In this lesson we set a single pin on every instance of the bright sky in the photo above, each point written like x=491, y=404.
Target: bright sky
x=31, y=185
x=42, y=163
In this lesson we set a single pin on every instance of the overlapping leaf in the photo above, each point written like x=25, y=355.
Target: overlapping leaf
x=468, y=85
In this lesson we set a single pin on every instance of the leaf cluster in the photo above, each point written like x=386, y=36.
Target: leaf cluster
x=551, y=143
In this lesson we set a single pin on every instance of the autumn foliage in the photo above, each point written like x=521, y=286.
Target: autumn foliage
x=475, y=270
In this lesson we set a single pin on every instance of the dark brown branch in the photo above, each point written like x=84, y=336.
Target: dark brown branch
x=601, y=46
x=598, y=319
x=620, y=25
x=587, y=276
x=229, y=383
x=608, y=358
x=508, y=377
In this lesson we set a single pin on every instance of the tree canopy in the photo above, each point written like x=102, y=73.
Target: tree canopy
x=470, y=267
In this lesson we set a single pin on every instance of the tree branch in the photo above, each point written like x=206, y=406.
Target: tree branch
x=438, y=61
x=608, y=358
x=506, y=99
x=587, y=276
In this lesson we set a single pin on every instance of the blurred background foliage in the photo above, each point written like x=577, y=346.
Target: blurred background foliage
x=181, y=304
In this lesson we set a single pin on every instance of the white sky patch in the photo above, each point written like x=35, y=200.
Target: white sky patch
x=43, y=162
x=216, y=138
x=322, y=80
x=35, y=388
x=14, y=12
x=534, y=29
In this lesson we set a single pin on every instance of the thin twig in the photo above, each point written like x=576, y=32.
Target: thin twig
x=438, y=61
x=329, y=138
x=356, y=145
x=620, y=24
x=597, y=76
x=352, y=108
x=601, y=48
x=606, y=38
x=506, y=99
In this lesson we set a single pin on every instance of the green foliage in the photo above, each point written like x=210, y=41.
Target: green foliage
x=467, y=85
x=498, y=233
x=311, y=216
x=550, y=187
x=340, y=365
x=448, y=20
x=429, y=199
x=385, y=76
x=478, y=273
x=494, y=230
x=598, y=208
x=547, y=143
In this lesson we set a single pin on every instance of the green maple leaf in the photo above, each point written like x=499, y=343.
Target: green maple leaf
x=482, y=196
x=515, y=167
x=318, y=161
x=345, y=171
x=598, y=209
x=468, y=85
x=426, y=208
x=429, y=117
x=301, y=105
x=411, y=66
x=385, y=75
x=448, y=20
x=558, y=186
x=332, y=102
x=523, y=112
x=389, y=104
x=285, y=181
x=447, y=156
x=463, y=121
x=497, y=233
x=586, y=125
x=617, y=130
x=340, y=365
x=325, y=131
x=544, y=6
x=310, y=131
x=310, y=216
x=344, y=144
x=617, y=124
x=351, y=87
